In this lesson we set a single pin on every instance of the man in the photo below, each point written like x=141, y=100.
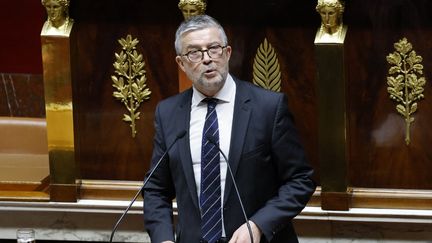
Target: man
x=254, y=129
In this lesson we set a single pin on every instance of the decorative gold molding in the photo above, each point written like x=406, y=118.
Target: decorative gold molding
x=266, y=68
x=405, y=85
x=129, y=66
x=391, y=198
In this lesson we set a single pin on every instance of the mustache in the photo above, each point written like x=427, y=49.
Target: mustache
x=209, y=69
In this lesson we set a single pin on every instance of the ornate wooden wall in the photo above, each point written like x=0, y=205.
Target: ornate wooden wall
x=105, y=148
x=378, y=156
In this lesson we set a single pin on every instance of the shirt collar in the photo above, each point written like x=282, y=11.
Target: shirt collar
x=225, y=95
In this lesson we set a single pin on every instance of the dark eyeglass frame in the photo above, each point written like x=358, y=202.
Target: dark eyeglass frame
x=208, y=50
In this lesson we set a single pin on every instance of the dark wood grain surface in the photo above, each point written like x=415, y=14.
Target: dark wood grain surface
x=378, y=156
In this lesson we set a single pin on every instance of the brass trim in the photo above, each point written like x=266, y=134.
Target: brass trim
x=129, y=66
x=31, y=196
x=266, y=68
x=391, y=198
x=57, y=67
x=332, y=117
x=405, y=85
x=383, y=198
x=109, y=190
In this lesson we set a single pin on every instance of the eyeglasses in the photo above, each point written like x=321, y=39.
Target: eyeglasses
x=198, y=55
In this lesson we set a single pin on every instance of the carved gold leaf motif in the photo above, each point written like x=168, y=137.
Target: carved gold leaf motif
x=405, y=83
x=266, y=69
x=130, y=80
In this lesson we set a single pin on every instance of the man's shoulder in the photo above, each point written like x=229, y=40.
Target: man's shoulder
x=251, y=89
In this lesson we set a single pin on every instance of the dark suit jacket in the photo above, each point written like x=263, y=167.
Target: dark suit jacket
x=266, y=157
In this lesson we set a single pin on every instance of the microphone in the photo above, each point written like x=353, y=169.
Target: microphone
x=179, y=135
x=212, y=141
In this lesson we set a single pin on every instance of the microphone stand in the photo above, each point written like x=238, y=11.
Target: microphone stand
x=124, y=214
x=210, y=139
x=179, y=135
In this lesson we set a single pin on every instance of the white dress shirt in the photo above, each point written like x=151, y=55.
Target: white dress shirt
x=225, y=111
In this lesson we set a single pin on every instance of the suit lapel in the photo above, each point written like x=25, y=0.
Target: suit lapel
x=240, y=124
x=239, y=127
x=183, y=120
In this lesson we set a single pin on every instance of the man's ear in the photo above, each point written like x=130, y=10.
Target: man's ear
x=180, y=62
x=228, y=52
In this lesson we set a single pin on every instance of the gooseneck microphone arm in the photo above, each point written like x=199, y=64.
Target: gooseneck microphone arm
x=211, y=140
x=179, y=135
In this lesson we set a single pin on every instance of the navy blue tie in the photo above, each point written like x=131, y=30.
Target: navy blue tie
x=210, y=195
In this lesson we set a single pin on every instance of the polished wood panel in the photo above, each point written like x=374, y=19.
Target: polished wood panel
x=293, y=50
x=379, y=157
x=104, y=146
x=340, y=201
x=105, y=149
x=114, y=155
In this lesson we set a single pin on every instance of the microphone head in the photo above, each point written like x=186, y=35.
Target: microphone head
x=181, y=134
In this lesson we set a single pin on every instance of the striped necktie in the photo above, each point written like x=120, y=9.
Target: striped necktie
x=210, y=195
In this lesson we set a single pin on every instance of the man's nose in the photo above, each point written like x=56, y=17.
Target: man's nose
x=206, y=56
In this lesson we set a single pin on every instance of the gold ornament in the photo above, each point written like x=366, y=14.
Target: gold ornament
x=266, y=69
x=405, y=85
x=129, y=67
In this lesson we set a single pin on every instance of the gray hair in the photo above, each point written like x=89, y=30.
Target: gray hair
x=198, y=22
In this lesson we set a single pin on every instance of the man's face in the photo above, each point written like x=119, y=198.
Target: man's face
x=209, y=74
x=54, y=10
x=329, y=17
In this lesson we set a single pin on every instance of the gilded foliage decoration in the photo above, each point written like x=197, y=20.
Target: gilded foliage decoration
x=266, y=68
x=130, y=80
x=405, y=83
